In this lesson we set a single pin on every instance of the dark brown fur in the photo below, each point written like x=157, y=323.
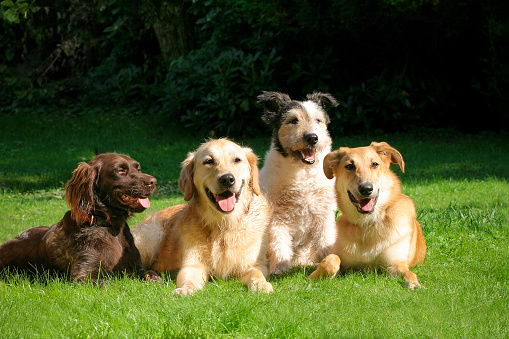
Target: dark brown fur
x=93, y=236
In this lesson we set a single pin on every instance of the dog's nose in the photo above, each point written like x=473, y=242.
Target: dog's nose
x=227, y=180
x=150, y=181
x=366, y=188
x=311, y=138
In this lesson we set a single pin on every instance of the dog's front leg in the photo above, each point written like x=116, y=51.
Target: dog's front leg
x=409, y=277
x=152, y=276
x=81, y=273
x=279, y=251
x=325, y=225
x=327, y=268
x=255, y=281
x=191, y=279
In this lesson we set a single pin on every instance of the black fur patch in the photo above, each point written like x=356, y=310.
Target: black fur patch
x=277, y=145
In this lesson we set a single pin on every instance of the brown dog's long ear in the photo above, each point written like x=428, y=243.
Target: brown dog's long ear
x=330, y=162
x=79, y=192
x=389, y=154
x=253, y=163
x=186, y=177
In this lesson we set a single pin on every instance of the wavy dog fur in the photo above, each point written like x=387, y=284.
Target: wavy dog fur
x=302, y=229
x=93, y=236
x=221, y=231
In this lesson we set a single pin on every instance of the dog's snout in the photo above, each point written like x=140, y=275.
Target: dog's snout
x=311, y=138
x=366, y=188
x=150, y=180
x=227, y=180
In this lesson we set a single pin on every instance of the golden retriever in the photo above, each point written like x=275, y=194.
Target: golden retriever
x=378, y=225
x=221, y=231
x=303, y=226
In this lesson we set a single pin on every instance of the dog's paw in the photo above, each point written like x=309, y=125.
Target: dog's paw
x=261, y=286
x=411, y=285
x=152, y=276
x=184, y=291
x=281, y=268
x=329, y=267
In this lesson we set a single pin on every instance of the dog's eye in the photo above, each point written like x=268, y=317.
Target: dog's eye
x=238, y=160
x=350, y=167
x=294, y=121
x=374, y=165
x=121, y=171
x=319, y=121
x=209, y=161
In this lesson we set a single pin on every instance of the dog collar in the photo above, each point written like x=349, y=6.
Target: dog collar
x=94, y=221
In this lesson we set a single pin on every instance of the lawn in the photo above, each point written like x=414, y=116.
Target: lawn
x=458, y=182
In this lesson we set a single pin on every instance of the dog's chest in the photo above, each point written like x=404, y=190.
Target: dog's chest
x=364, y=246
x=230, y=254
x=103, y=246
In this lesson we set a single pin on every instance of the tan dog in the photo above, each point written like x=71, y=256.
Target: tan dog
x=378, y=226
x=221, y=231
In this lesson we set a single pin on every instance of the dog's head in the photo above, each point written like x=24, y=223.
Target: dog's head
x=220, y=173
x=109, y=183
x=363, y=174
x=300, y=127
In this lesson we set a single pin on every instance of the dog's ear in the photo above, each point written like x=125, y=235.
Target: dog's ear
x=186, y=177
x=79, y=192
x=388, y=154
x=331, y=162
x=253, y=163
x=323, y=99
x=272, y=103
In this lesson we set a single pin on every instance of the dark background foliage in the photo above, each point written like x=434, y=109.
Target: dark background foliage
x=393, y=64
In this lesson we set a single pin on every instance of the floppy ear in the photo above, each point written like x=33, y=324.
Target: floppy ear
x=388, y=154
x=253, y=163
x=272, y=102
x=79, y=192
x=331, y=162
x=186, y=177
x=323, y=99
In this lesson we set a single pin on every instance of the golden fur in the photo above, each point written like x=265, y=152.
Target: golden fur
x=200, y=237
x=378, y=226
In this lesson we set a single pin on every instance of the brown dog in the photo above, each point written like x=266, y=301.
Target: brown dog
x=378, y=226
x=221, y=231
x=93, y=236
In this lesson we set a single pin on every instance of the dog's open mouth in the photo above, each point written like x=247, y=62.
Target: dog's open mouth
x=308, y=155
x=134, y=202
x=364, y=206
x=225, y=201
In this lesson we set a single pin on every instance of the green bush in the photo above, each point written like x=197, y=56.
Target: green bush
x=214, y=90
x=387, y=103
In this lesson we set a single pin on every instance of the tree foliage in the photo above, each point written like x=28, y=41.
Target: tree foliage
x=393, y=64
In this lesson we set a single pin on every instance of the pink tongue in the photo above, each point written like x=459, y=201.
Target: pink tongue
x=226, y=203
x=309, y=154
x=144, y=202
x=367, y=204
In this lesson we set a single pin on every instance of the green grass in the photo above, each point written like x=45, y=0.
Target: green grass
x=458, y=182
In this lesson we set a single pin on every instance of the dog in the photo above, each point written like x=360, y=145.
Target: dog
x=378, y=226
x=302, y=228
x=93, y=237
x=221, y=231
